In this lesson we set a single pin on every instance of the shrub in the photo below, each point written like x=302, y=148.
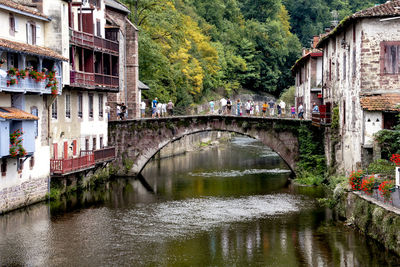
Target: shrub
x=381, y=166
x=384, y=189
x=367, y=184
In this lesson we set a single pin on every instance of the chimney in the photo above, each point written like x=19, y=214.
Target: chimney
x=315, y=41
x=38, y=4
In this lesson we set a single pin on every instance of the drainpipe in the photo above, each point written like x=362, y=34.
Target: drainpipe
x=125, y=76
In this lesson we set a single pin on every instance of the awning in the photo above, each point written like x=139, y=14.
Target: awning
x=16, y=114
x=143, y=86
x=383, y=102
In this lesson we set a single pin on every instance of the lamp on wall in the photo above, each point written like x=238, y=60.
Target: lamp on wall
x=345, y=45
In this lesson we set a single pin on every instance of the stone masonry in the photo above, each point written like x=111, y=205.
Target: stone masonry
x=137, y=141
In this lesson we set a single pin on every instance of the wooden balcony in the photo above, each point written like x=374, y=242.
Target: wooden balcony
x=80, y=78
x=322, y=118
x=86, y=160
x=27, y=85
x=104, y=80
x=92, y=41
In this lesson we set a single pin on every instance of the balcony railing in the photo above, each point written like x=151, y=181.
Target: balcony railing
x=87, y=39
x=105, y=44
x=106, y=80
x=27, y=85
x=86, y=160
x=82, y=78
x=321, y=118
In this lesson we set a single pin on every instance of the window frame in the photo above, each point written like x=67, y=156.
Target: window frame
x=68, y=106
x=54, y=112
x=101, y=105
x=80, y=106
x=90, y=106
x=383, y=46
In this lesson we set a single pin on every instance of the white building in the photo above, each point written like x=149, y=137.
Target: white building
x=26, y=91
x=361, y=78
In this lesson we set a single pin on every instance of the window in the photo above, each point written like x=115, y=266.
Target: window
x=31, y=33
x=344, y=66
x=80, y=106
x=32, y=162
x=3, y=166
x=12, y=24
x=90, y=105
x=35, y=112
x=391, y=58
x=330, y=69
x=344, y=112
x=354, y=62
x=94, y=143
x=54, y=109
x=68, y=106
x=86, y=144
x=101, y=106
x=101, y=142
x=98, y=28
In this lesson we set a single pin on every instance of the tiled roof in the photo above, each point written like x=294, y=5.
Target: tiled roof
x=22, y=8
x=30, y=49
x=16, y=114
x=117, y=5
x=384, y=102
x=389, y=9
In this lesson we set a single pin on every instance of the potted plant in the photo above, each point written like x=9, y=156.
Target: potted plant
x=396, y=160
x=368, y=184
x=355, y=180
x=385, y=190
x=16, y=148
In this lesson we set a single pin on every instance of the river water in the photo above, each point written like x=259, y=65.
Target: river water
x=225, y=206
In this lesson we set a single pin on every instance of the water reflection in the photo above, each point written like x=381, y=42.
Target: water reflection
x=230, y=206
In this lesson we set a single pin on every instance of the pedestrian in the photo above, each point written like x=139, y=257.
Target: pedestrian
x=293, y=111
x=223, y=103
x=118, y=111
x=170, y=108
x=229, y=106
x=212, y=105
x=164, y=110
x=271, y=107
x=143, y=108
x=248, y=107
x=264, y=108
x=159, y=109
x=154, y=107
x=283, y=107
x=257, y=109
x=316, y=108
x=108, y=110
x=300, y=111
x=123, y=111
x=238, y=106
x=278, y=108
x=252, y=108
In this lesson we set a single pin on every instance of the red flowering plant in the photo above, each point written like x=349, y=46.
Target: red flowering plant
x=385, y=190
x=11, y=73
x=16, y=148
x=367, y=185
x=37, y=75
x=395, y=159
x=52, y=82
x=355, y=179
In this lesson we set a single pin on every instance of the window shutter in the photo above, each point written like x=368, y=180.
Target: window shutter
x=38, y=34
x=28, y=33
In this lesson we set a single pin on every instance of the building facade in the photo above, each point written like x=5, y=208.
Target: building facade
x=308, y=79
x=30, y=79
x=361, y=79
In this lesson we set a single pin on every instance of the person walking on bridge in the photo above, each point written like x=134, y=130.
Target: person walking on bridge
x=229, y=106
x=154, y=108
x=238, y=106
x=212, y=104
x=264, y=108
x=300, y=110
x=170, y=108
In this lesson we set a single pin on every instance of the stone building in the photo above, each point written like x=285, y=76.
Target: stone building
x=361, y=78
x=121, y=29
x=30, y=80
x=308, y=79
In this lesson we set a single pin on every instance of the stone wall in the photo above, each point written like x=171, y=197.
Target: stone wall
x=377, y=220
x=29, y=192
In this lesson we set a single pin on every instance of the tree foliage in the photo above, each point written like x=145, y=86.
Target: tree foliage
x=189, y=49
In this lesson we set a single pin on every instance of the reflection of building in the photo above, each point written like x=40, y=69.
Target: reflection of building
x=361, y=78
x=30, y=79
x=308, y=74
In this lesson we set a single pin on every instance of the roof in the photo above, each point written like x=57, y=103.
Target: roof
x=384, y=102
x=302, y=60
x=389, y=9
x=31, y=49
x=12, y=6
x=16, y=114
x=143, y=86
x=117, y=5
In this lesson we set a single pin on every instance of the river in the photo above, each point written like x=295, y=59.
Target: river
x=231, y=205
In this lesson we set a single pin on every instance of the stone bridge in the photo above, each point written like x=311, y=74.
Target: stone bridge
x=137, y=141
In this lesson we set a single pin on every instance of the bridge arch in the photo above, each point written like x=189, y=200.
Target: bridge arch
x=137, y=141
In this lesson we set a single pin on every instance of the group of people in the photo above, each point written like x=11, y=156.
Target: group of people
x=158, y=109
x=249, y=108
x=121, y=111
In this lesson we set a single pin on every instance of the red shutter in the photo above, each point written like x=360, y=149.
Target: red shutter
x=55, y=151
x=65, y=150
x=74, y=147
